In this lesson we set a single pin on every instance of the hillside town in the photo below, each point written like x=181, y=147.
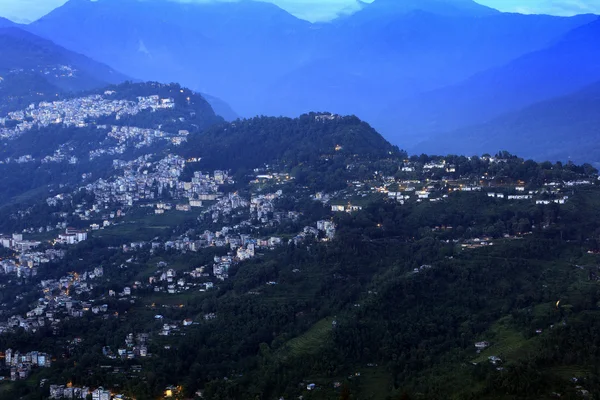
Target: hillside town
x=76, y=112
x=436, y=181
x=83, y=112
x=144, y=180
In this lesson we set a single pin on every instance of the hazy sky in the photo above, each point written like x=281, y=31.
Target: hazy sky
x=325, y=9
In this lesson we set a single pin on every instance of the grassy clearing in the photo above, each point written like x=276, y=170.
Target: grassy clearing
x=310, y=342
x=168, y=219
x=146, y=226
x=129, y=232
x=506, y=343
x=42, y=237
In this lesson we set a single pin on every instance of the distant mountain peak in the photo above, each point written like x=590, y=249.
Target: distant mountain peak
x=182, y=12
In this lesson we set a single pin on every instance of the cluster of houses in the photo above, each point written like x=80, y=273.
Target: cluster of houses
x=421, y=186
x=244, y=247
x=327, y=117
x=26, y=260
x=76, y=112
x=240, y=246
x=138, y=183
x=345, y=208
x=169, y=329
x=73, y=392
x=17, y=243
x=127, y=136
x=419, y=191
x=135, y=346
x=227, y=205
x=102, y=394
x=169, y=282
x=277, y=178
x=144, y=137
x=144, y=181
x=11, y=266
x=72, y=236
x=61, y=154
x=58, y=302
x=21, y=364
x=55, y=71
x=82, y=112
x=68, y=392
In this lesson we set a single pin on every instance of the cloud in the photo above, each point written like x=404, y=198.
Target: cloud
x=20, y=10
x=553, y=7
x=572, y=7
x=319, y=10
x=311, y=10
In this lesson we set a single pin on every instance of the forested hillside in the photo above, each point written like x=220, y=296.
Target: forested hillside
x=253, y=142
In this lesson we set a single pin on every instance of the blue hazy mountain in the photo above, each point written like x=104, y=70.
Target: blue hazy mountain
x=227, y=49
x=221, y=108
x=564, y=128
x=262, y=60
x=33, y=68
x=415, y=53
x=568, y=65
x=6, y=23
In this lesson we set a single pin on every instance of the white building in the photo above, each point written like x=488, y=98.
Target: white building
x=101, y=394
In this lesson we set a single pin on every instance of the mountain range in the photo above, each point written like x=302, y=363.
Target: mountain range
x=384, y=59
x=416, y=70
x=565, y=128
x=566, y=66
